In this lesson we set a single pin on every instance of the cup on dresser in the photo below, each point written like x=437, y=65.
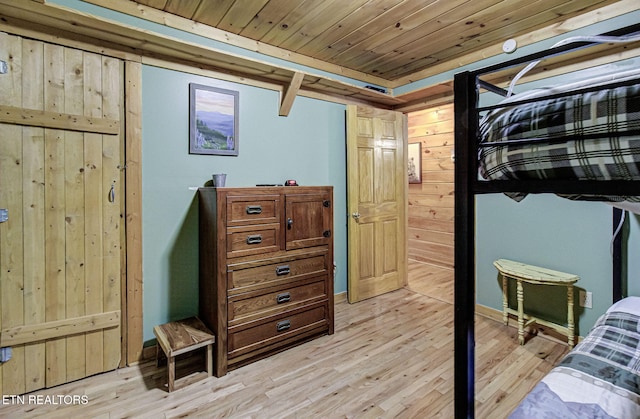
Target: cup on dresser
x=219, y=180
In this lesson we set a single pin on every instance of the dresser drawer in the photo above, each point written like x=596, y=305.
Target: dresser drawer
x=247, y=210
x=264, y=336
x=252, y=306
x=253, y=240
x=275, y=274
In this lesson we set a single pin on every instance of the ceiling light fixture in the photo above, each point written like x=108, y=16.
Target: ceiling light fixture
x=509, y=46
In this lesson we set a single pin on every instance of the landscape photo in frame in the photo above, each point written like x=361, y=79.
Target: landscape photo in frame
x=213, y=120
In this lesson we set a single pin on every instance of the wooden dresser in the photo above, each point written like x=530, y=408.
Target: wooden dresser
x=266, y=269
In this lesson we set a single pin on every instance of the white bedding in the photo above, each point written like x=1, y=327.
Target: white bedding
x=629, y=305
x=599, y=378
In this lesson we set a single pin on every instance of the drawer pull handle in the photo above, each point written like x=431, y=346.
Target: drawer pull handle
x=254, y=209
x=285, y=297
x=255, y=239
x=283, y=325
x=282, y=270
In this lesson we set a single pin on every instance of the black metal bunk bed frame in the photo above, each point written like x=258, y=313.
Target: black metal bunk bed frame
x=466, y=93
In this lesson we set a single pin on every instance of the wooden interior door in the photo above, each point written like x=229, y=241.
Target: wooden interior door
x=61, y=247
x=377, y=201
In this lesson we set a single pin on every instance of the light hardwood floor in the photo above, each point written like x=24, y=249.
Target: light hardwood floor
x=390, y=357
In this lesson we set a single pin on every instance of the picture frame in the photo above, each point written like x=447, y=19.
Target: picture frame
x=213, y=120
x=414, y=162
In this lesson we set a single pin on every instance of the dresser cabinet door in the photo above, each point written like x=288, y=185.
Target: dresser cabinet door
x=307, y=220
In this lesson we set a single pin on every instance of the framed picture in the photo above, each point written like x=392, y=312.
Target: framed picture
x=414, y=163
x=213, y=120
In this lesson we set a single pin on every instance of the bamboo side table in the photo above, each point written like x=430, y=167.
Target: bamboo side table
x=521, y=272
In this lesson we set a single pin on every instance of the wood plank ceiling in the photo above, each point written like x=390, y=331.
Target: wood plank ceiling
x=379, y=43
x=390, y=39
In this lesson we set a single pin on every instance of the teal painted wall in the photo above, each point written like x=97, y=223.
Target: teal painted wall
x=543, y=230
x=308, y=145
x=552, y=232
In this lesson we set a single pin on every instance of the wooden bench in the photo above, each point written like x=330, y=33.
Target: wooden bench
x=180, y=337
x=535, y=275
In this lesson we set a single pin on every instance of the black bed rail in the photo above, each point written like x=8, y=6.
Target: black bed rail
x=555, y=139
x=492, y=88
x=560, y=186
x=596, y=88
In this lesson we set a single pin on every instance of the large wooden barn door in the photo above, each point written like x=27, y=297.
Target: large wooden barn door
x=60, y=181
x=377, y=201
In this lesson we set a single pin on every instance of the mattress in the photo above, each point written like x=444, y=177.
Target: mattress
x=599, y=378
x=592, y=135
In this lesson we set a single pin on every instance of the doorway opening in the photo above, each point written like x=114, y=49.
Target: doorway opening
x=431, y=203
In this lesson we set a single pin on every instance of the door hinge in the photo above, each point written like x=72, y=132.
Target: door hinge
x=5, y=354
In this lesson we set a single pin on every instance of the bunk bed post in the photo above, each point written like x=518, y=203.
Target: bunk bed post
x=465, y=103
x=617, y=255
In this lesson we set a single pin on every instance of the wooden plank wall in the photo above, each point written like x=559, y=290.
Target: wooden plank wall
x=60, y=250
x=431, y=203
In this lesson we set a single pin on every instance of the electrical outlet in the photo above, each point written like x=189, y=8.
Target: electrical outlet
x=586, y=299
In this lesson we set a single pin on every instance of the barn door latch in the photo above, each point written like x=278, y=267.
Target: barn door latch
x=4, y=215
x=112, y=193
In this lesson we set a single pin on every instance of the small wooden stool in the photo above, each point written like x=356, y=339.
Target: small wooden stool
x=183, y=336
x=535, y=275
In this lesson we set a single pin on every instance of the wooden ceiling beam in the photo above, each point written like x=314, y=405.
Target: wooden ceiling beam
x=290, y=93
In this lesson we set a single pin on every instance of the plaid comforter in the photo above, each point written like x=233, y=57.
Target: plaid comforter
x=605, y=114
x=600, y=378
